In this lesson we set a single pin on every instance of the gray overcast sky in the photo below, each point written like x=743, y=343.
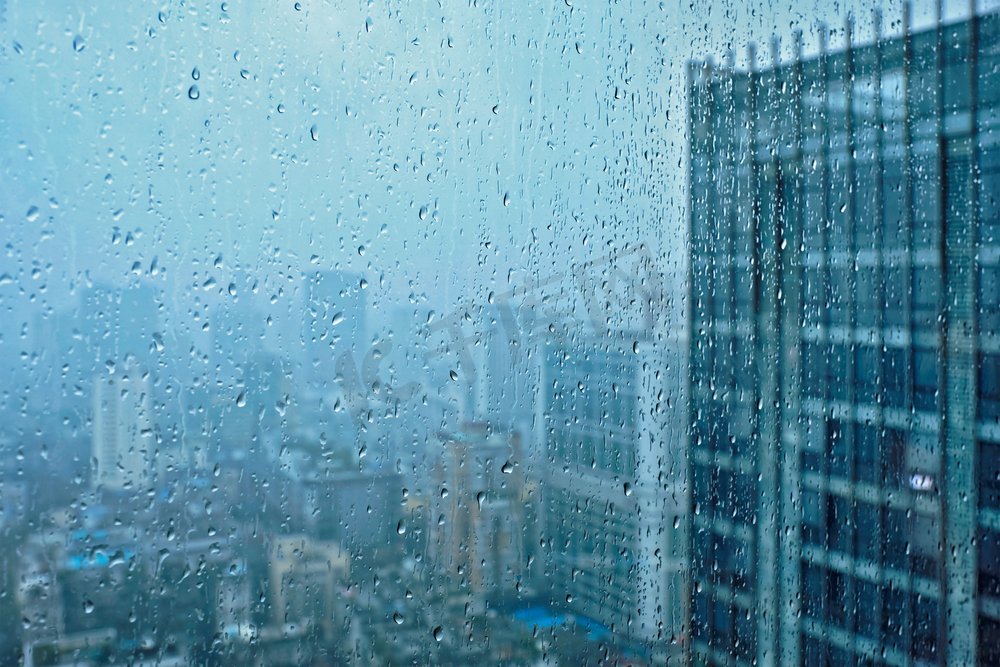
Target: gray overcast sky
x=431, y=146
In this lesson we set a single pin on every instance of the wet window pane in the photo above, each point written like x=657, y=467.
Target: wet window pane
x=538, y=333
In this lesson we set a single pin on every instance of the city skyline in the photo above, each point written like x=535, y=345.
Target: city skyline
x=345, y=334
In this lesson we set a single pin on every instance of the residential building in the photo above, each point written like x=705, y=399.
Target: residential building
x=614, y=490
x=477, y=532
x=123, y=439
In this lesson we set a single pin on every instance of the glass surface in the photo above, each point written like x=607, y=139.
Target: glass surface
x=534, y=333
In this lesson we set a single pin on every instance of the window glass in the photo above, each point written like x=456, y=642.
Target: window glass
x=339, y=332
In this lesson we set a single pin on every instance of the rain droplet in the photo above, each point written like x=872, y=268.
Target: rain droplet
x=78, y=44
x=314, y=132
x=453, y=375
x=628, y=489
x=32, y=214
x=401, y=527
x=506, y=199
x=507, y=468
x=480, y=497
x=195, y=74
x=438, y=633
x=88, y=607
x=193, y=92
x=423, y=213
x=241, y=400
x=397, y=617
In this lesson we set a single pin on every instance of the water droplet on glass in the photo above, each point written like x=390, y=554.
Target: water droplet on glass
x=397, y=617
x=78, y=44
x=438, y=633
x=423, y=213
x=193, y=92
x=88, y=607
x=241, y=400
x=628, y=489
x=453, y=375
x=314, y=132
x=195, y=74
x=506, y=199
x=32, y=214
x=401, y=527
x=507, y=468
x=480, y=498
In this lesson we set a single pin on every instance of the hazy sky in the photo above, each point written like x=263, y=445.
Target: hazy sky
x=431, y=146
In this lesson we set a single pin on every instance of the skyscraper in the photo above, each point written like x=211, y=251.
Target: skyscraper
x=614, y=487
x=844, y=259
x=477, y=524
x=123, y=440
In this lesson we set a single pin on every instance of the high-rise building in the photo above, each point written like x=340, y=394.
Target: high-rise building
x=123, y=437
x=845, y=253
x=306, y=580
x=506, y=365
x=614, y=488
x=477, y=523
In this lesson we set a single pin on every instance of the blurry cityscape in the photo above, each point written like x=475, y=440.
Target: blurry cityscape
x=804, y=472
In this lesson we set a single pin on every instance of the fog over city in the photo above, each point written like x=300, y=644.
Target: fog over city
x=450, y=332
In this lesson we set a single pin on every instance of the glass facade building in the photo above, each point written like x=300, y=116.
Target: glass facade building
x=845, y=352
